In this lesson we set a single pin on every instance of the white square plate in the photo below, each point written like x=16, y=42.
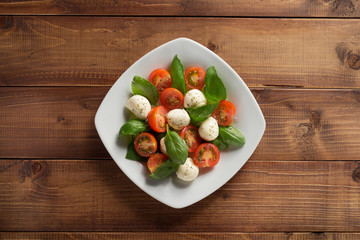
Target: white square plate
x=249, y=119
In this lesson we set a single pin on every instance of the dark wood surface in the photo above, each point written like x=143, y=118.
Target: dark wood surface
x=181, y=235
x=301, y=60
x=58, y=122
x=273, y=8
x=89, y=51
x=265, y=196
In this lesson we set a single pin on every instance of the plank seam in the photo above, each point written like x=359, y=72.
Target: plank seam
x=177, y=16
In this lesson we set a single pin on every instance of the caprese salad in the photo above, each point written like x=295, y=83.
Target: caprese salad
x=179, y=121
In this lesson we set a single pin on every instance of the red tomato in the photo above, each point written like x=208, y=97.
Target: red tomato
x=194, y=77
x=224, y=113
x=161, y=79
x=155, y=161
x=191, y=136
x=172, y=98
x=157, y=119
x=206, y=155
x=145, y=144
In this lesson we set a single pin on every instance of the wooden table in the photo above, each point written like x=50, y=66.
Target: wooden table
x=59, y=58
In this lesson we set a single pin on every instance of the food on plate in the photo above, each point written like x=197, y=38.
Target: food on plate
x=145, y=144
x=171, y=98
x=188, y=171
x=194, y=77
x=206, y=155
x=224, y=113
x=191, y=136
x=155, y=161
x=157, y=119
x=163, y=146
x=178, y=118
x=209, y=129
x=139, y=106
x=194, y=98
x=161, y=79
x=187, y=114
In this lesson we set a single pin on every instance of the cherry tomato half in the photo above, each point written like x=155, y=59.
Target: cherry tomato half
x=191, y=136
x=172, y=98
x=155, y=161
x=157, y=119
x=206, y=155
x=145, y=144
x=195, y=78
x=224, y=113
x=161, y=79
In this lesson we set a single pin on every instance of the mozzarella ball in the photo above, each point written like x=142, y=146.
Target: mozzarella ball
x=188, y=171
x=209, y=129
x=178, y=119
x=139, y=106
x=163, y=146
x=194, y=98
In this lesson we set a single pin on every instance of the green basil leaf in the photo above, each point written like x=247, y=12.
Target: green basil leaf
x=134, y=127
x=164, y=170
x=220, y=144
x=214, y=89
x=231, y=136
x=201, y=113
x=192, y=122
x=143, y=87
x=177, y=75
x=176, y=147
x=131, y=153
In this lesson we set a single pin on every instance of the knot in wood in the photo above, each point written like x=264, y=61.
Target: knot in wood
x=356, y=175
x=35, y=168
x=348, y=52
x=212, y=46
x=353, y=60
x=6, y=21
x=84, y=105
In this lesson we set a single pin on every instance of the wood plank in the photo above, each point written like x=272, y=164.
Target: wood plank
x=65, y=51
x=50, y=122
x=265, y=196
x=175, y=236
x=309, y=124
x=300, y=8
x=57, y=122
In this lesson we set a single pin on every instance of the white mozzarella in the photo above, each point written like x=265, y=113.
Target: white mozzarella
x=178, y=118
x=194, y=98
x=209, y=129
x=163, y=146
x=188, y=171
x=139, y=106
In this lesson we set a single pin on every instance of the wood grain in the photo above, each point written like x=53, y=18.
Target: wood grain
x=50, y=122
x=58, y=122
x=182, y=235
x=265, y=196
x=309, y=124
x=274, y=8
x=66, y=51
